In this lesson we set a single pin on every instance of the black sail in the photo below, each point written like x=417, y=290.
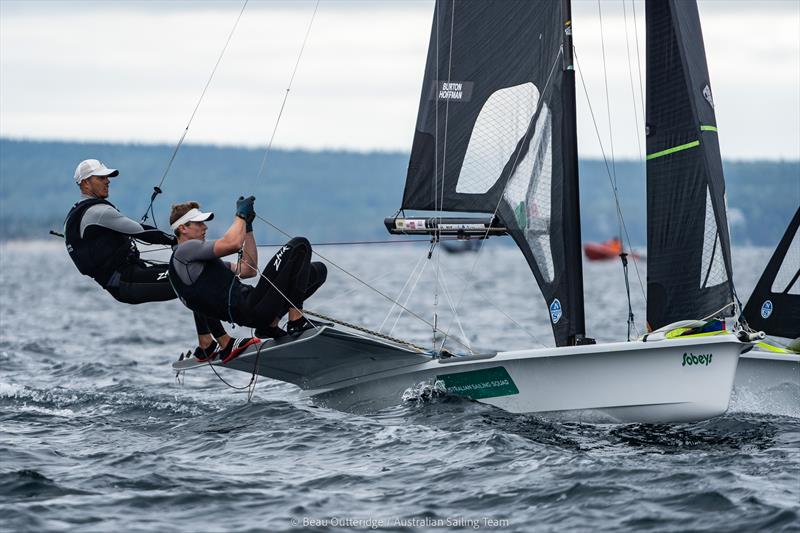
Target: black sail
x=688, y=245
x=774, y=306
x=495, y=133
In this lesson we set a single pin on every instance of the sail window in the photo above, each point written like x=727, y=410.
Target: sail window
x=786, y=281
x=528, y=193
x=713, y=271
x=502, y=122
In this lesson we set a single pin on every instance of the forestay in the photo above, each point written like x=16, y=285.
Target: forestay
x=495, y=133
x=688, y=245
x=774, y=306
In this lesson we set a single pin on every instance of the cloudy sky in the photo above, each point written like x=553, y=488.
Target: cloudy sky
x=134, y=70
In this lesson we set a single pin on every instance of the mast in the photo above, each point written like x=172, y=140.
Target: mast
x=571, y=199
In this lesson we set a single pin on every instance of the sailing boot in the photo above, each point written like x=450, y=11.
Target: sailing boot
x=296, y=327
x=235, y=347
x=206, y=354
x=270, y=332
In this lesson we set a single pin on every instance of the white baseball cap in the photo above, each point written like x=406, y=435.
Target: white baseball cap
x=193, y=215
x=93, y=167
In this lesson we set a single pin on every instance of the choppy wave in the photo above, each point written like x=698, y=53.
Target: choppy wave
x=97, y=435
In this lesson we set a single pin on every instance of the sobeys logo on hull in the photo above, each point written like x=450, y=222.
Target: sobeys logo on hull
x=692, y=359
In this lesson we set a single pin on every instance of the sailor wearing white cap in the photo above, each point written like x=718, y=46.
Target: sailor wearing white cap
x=208, y=285
x=100, y=241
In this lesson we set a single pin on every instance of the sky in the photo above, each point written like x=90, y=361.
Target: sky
x=133, y=71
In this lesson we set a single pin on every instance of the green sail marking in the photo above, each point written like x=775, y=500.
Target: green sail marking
x=673, y=150
x=704, y=127
x=521, y=215
x=476, y=384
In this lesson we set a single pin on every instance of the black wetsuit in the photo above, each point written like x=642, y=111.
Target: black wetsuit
x=206, y=284
x=100, y=241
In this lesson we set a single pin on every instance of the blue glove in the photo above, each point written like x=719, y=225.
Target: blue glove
x=244, y=208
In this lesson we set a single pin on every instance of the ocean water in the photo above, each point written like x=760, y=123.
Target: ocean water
x=96, y=434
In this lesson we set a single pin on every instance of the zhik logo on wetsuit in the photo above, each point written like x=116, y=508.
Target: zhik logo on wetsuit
x=162, y=275
x=279, y=256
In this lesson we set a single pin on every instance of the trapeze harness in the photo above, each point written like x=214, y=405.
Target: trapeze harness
x=99, y=257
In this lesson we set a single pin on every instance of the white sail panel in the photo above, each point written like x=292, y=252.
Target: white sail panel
x=528, y=192
x=712, y=271
x=502, y=122
x=788, y=270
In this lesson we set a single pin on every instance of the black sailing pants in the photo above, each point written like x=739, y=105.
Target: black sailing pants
x=291, y=278
x=140, y=283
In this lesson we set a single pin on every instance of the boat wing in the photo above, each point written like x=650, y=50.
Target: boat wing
x=319, y=358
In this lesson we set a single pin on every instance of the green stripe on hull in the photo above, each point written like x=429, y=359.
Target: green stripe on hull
x=674, y=149
x=704, y=127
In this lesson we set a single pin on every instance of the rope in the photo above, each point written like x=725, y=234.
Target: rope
x=608, y=108
x=157, y=189
x=286, y=94
x=335, y=320
x=608, y=171
x=334, y=264
x=402, y=290
x=633, y=92
x=367, y=330
x=343, y=243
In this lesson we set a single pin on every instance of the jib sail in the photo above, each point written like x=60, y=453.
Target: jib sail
x=774, y=306
x=688, y=246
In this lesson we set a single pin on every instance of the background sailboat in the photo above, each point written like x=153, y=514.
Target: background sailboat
x=768, y=377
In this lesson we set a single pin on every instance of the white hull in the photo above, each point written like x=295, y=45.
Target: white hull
x=768, y=382
x=624, y=382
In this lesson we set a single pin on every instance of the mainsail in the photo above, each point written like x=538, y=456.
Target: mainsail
x=688, y=244
x=495, y=134
x=774, y=306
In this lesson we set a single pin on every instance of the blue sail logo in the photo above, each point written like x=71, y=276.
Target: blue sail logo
x=555, y=311
x=766, y=309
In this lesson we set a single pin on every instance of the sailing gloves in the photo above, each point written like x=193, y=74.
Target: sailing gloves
x=245, y=211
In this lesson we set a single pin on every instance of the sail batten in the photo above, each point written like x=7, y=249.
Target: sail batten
x=498, y=136
x=689, y=261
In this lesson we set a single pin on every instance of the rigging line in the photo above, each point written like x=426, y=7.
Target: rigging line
x=333, y=298
x=402, y=290
x=436, y=121
x=608, y=171
x=497, y=307
x=630, y=73
x=608, y=104
x=447, y=109
x=194, y=112
x=344, y=243
x=638, y=58
x=440, y=194
x=378, y=291
x=291, y=304
x=408, y=296
x=455, y=314
x=286, y=94
x=502, y=193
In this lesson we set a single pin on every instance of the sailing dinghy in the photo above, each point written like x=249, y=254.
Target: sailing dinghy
x=496, y=134
x=771, y=371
